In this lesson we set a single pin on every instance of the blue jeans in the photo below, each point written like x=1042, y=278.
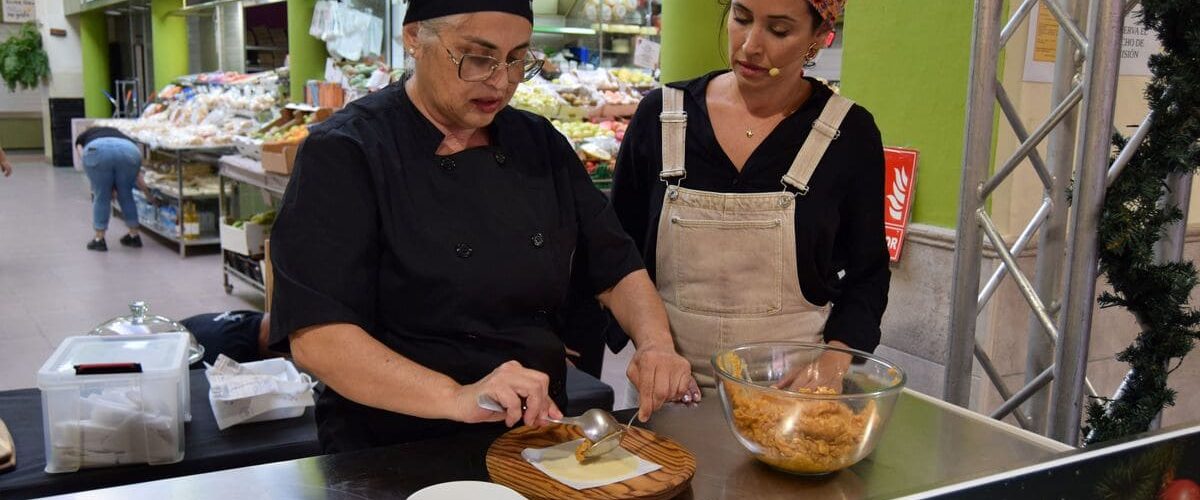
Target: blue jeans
x=112, y=163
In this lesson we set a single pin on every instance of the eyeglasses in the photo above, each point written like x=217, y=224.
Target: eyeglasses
x=477, y=68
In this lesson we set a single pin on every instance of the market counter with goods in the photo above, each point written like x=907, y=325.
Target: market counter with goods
x=591, y=108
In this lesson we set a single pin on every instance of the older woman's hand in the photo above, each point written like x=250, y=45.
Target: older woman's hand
x=661, y=375
x=524, y=394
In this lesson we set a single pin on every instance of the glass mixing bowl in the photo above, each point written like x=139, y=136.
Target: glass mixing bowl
x=829, y=419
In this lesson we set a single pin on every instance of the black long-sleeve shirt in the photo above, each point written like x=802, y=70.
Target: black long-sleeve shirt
x=840, y=248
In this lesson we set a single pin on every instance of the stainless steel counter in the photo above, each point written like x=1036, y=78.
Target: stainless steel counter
x=927, y=444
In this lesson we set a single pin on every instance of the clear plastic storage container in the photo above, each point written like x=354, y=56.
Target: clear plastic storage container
x=114, y=400
x=141, y=322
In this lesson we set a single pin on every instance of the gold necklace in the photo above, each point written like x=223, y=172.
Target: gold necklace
x=750, y=129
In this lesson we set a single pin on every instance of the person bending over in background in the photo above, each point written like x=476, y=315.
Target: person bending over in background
x=111, y=161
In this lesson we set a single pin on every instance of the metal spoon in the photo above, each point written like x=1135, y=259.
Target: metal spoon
x=609, y=442
x=597, y=425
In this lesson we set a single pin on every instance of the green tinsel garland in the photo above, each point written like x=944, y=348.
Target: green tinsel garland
x=1133, y=221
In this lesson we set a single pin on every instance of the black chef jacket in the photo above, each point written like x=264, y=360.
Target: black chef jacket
x=456, y=262
x=841, y=254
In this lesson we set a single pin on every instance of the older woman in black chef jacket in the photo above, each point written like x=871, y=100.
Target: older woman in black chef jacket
x=429, y=234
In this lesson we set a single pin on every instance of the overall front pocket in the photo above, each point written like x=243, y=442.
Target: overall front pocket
x=728, y=267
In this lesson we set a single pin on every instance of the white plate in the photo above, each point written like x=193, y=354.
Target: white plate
x=466, y=490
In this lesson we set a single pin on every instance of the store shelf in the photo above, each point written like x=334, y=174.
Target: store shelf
x=206, y=9
x=625, y=29
x=564, y=30
x=302, y=107
x=255, y=284
x=169, y=235
x=264, y=48
x=175, y=196
x=620, y=29
x=250, y=172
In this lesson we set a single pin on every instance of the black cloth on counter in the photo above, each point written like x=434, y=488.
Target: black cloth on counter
x=206, y=449
x=94, y=133
x=839, y=223
x=232, y=333
x=459, y=263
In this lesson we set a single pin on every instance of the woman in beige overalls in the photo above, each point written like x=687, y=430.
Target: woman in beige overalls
x=756, y=196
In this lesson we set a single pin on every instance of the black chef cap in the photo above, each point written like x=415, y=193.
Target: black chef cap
x=421, y=10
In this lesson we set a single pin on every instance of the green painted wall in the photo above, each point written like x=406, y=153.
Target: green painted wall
x=908, y=62
x=170, y=39
x=692, y=39
x=93, y=39
x=21, y=133
x=306, y=54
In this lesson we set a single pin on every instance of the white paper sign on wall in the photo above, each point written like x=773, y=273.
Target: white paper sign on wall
x=19, y=11
x=646, y=54
x=1137, y=45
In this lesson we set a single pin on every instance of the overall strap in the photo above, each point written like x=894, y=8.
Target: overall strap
x=674, y=130
x=824, y=132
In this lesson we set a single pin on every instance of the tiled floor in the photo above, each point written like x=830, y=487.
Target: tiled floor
x=52, y=288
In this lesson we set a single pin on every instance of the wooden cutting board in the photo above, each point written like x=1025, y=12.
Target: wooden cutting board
x=506, y=466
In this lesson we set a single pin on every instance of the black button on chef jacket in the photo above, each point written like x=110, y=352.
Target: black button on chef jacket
x=456, y=262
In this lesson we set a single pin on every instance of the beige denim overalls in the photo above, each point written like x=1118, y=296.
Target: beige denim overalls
x=726, y=263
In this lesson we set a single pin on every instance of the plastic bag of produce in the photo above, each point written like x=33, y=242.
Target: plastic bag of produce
x=373, y=38
x=320, y=20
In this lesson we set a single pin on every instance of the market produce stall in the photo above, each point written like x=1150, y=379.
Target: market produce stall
x=591, y=108
x=244, y=230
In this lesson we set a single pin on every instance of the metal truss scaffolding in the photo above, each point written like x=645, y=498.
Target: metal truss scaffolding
x=1077, y=135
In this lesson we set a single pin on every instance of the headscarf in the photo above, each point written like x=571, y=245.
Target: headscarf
x=830, y=10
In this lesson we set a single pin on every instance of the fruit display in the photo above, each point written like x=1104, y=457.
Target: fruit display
x=222, y=78
x=204, y=117
x=578, y=131
x=537, y=99
x=617, y=127
x=633, y=77
x=357, y=74
x=590, y=107
x=598, y=79
x=295, y=130
x=579, y=96
x=621, y=97
x=295, y=133
x=266, y=218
